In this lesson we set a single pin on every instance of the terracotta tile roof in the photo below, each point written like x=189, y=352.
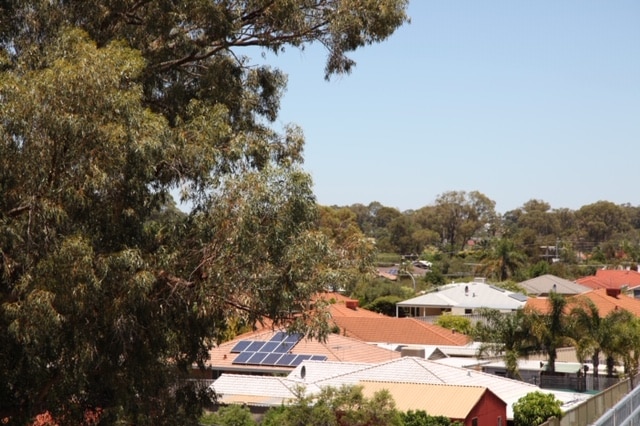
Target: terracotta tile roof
x=538, y=304
x=452, y=401
x=611, y=278
x=605, y=300
x=383, y=329
x=592, y=282
x=342, y=310
x=340, y=305
x=335, y=348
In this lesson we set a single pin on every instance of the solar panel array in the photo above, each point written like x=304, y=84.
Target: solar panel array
x=275, y=352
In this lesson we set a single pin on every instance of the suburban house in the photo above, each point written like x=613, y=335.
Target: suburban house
x=545, y=284
x=462, y=299
x=402, y=331
x=314, y=375
x=605, y=299
x=275, y=352
x=620, y=279
x=469, y=405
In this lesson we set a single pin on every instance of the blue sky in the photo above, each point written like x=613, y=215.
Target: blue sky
x=518, y=100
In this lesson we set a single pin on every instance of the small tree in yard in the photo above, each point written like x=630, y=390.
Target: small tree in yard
x=536, y=408
x=344, y=406
x=421, y=418
x=232, y=415
x=455, y=322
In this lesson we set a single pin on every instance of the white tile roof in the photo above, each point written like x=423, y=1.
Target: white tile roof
x=468, y=295
x=544, y=284
x=418, y=370
x=269, y=390
x=257, y=390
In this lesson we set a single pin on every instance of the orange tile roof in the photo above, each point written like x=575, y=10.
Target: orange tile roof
x=611, y=278
x=538, y=304
x=335, y=348
x=604, y=302
x=383, y=329
x=343, y=306
x=331, y=297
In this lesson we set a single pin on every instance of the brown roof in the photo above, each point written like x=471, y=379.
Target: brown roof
x=452, y=401
x=383, y=329
x=611, y=278
x=605, y=300
x=335, y=348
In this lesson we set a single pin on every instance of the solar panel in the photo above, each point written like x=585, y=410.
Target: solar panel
x=243, y=357
x=271, y=359
x=298, y=360
x=279, y=336
x=255, y=346
x=318, y=358
x=275, y=352
x=269, y=346
x=283, y=347
x=286, y=360
x=293, y=338
x=519, y=297
x=257, y=358
x=241, y=346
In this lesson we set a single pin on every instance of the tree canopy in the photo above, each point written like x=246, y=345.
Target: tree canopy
x=107, y=295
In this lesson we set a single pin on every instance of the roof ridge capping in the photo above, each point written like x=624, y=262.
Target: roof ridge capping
x=453, y=385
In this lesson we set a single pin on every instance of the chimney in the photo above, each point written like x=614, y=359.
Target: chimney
x=613, y=292
x=352, y=304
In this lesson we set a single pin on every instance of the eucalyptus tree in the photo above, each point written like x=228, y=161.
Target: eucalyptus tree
x=105, y=108
x=460, y=215
x=599, y=221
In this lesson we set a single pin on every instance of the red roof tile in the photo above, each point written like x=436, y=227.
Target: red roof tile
x=611, y=278
x=383, y=329
x=604, y=299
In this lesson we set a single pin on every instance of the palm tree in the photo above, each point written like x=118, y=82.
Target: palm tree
x=625, y=340
x=505, y=335
x=590, y=333
x=503, y=260
x=551, y=329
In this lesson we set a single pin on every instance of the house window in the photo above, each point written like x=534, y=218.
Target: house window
x=468, y=311
x=499, y=420
x=474, y=421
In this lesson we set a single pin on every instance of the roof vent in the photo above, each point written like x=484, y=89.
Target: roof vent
x=412, y=351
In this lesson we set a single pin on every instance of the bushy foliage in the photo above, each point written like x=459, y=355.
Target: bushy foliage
x=231, y=415
x=536, y=408
x=385, y=305
x=421, y=418
x=456, y=323
x=344, y=406
x=369, y=290
x=107, y=298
